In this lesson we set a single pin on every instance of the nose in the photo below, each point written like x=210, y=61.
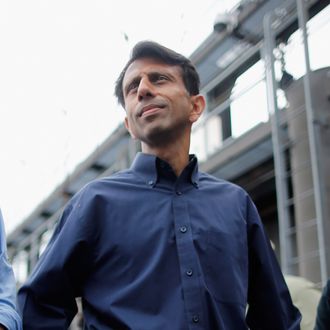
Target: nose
x=145, y=89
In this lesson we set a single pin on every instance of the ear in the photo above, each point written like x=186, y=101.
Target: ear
x=198, y=103
x=127, y=127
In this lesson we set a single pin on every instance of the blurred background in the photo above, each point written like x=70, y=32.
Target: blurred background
x=265, y=72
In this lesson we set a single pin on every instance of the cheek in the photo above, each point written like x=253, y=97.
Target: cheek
x=129, y=104
x=130, y=127
x=130, y=121
x=184, y=99
x=129, y=109
x=184, y=105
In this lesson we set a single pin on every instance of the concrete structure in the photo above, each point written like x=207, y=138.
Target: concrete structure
x=301, y=169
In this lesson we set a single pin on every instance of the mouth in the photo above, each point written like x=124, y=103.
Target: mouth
x=150, y=109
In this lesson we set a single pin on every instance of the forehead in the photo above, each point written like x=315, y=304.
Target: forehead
x=144, y=66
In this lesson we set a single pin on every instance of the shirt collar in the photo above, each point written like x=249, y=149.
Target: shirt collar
x=148, y=168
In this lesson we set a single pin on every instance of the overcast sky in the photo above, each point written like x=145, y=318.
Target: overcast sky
x=58, y=63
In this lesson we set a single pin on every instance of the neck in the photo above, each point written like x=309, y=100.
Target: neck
x=176, y=155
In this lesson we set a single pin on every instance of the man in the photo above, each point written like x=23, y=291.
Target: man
x=9, y=318
x=160, y=245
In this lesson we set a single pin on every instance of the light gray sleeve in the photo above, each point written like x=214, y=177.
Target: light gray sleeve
x=8, y=312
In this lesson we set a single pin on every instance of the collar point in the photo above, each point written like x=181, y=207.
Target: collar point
x=195, y=184
x=151, y=183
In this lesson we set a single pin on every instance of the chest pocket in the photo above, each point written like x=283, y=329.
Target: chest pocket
x=226, y=266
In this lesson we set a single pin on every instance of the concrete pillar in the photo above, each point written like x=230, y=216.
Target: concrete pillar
x=301, y=170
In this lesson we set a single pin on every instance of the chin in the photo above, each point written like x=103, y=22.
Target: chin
x=156, y=136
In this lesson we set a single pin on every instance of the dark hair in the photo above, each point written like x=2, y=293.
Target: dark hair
x=151, y=49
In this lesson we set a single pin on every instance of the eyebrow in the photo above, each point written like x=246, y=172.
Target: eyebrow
x=149, y=74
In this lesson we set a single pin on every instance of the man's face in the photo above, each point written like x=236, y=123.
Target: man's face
x=158, y=106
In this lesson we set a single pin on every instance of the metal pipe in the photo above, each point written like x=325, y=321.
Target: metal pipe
x=279, y=162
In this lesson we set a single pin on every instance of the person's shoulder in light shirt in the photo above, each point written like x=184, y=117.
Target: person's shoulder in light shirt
x=9, y=318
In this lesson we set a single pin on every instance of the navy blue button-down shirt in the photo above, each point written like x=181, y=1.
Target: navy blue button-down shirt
x=149, y=251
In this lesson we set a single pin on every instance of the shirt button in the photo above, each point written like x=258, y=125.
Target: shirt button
x=183, y=229
x=195, y=319
x=179, y=193
x=189, y=272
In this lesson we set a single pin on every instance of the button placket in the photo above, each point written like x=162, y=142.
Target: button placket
x=187, y=259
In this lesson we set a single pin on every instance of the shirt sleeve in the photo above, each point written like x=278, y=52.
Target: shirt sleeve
x=8, y=314
x=270, y=304
x=47, y=299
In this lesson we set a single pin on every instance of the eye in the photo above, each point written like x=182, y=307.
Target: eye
x=157, y=78
x=162, y=77
x=132, y=87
